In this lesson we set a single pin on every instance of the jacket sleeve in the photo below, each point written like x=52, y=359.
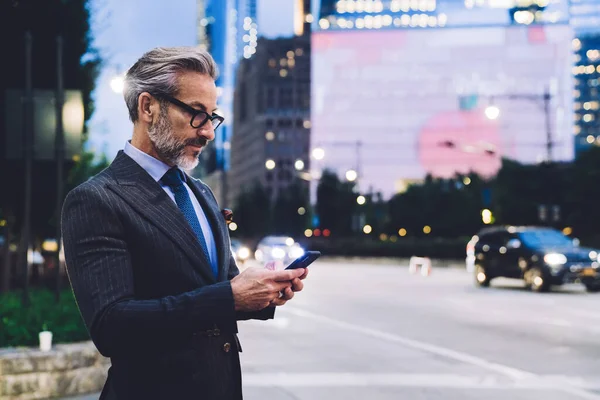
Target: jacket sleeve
x=265, y=313
x=100, y=270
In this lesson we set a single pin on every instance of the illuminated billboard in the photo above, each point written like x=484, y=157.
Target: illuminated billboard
x=397, y=104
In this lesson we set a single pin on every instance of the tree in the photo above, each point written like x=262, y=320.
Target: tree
x=450, y=207
x=45, y=20
x=336, y=204
x=519, y=190
x=252, y=212
x=583, y=212
x=286, y=219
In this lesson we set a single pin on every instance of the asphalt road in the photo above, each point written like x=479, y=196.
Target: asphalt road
x=378, y=332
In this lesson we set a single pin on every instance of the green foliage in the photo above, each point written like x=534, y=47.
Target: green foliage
x=45, y=20
x=582, y=200
x=85, y=167
x=336, y=204
x=257, y=215
x=449, y=206
x=20, y=325
x=286, y=220
x=520, y=189
x=252, y=212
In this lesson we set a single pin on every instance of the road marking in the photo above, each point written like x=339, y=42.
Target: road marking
x=279, y=322
x=521, y=376
x=430, y=348
x=456, y=381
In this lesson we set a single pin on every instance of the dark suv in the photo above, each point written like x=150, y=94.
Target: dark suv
x=541, y=256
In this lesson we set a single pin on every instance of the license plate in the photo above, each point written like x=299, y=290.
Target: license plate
x=589, y=272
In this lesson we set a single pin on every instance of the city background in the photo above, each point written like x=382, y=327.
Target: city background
x=379, y=132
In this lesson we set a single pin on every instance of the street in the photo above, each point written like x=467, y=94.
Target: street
x=378, y=332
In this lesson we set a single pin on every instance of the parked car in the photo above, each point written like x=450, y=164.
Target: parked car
x=240, y=252
x=541, y=256
x=274, y=248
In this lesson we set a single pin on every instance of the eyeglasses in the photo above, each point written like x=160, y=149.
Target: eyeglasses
x=199, y=117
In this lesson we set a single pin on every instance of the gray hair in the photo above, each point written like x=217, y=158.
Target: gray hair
x=156, y=73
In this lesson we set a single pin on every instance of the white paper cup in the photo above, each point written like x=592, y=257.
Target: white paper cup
x=45, y=341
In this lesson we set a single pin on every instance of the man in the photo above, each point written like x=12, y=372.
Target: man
x=148, y=253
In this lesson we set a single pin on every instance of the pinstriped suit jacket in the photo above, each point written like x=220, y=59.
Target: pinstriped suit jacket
x=146, y=291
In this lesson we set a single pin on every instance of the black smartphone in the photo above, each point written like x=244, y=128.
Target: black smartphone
x=304, y=260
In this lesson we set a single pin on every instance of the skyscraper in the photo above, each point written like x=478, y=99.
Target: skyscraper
x=228, y=30
x=400, y=87
x=272, y=117
x=587, y=89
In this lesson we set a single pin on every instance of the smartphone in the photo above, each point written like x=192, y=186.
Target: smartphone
x=304, y=260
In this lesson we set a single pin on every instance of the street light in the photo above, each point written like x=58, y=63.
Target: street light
x=318, y=153
x=351, y=175
x=299, y=165
x=492, y=112
x=270, y=164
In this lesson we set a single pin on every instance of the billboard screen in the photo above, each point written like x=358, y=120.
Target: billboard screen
x=398, y=104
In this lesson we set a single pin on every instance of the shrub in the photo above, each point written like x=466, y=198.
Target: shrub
x=20, y=324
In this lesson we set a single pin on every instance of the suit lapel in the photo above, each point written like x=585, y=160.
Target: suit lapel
x=218, y=227
x=144, y=194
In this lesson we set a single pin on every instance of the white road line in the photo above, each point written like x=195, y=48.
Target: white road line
x=329, y=379
x=456, y=381
x=513, y=373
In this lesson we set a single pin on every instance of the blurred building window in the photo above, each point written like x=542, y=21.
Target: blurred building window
x=271, y=100
x=285, y=97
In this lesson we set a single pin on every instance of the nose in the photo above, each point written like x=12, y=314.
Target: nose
x=207, y=131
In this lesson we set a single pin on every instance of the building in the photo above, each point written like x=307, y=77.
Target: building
x=585, y=16
x=587, y=86
x=229, y=31
x=401, y=88
x=271, y=117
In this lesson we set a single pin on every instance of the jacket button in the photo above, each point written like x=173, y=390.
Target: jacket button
x=226, y=347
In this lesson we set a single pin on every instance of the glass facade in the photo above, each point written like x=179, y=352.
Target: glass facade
x=230, y=32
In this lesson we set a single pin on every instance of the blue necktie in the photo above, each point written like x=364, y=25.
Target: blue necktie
x=174, y=179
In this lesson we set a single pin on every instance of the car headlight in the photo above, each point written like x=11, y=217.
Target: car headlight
x=296, y=252
x=555, y=259
x=277, y=253
x=243, y=253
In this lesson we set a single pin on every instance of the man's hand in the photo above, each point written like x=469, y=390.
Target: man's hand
x=288, y=293
x=257, y=288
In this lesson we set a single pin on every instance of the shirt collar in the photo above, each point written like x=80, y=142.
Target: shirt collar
x=155, y=168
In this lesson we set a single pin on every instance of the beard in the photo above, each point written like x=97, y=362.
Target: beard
x=170, y=148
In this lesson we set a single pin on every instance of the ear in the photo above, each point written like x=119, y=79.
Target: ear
x=148, y=108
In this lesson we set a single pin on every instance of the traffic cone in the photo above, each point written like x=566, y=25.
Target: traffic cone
x=426, y=267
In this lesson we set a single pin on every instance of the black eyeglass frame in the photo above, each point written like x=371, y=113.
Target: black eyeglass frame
x=194, y=112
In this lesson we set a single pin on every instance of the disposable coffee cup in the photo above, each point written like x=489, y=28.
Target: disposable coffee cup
x=45, y=341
